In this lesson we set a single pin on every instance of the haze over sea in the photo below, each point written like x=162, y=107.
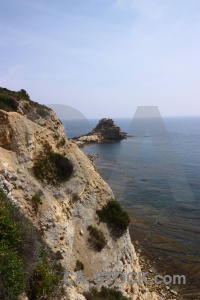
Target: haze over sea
x=168, y=230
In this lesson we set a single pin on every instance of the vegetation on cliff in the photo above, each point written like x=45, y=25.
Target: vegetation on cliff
x=10, y=100
x=26, y=263
x=97, y=238
x=12, y=273
x=53, y=168
x=79, y=266
x=113, y=214
x=7, y=103
x=104, y=294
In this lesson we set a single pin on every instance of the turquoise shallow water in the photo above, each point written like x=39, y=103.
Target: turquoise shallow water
x=157, y=179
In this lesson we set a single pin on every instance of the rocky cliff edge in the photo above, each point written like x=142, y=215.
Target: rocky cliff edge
x=67, y=209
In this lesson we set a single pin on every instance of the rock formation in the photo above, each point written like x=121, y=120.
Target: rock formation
x=104, y=131
x=108, y=130
x=66, y=210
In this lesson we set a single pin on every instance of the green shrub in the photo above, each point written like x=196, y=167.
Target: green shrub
x=23, y=266
x=36, y=200
x=79, y=266
x=97, y=238
x=104, y=294
x=7, y=103
x=42, y=111
x=112, y=213
x=12, y=271
x=11, y=266
x=44, y=279
x=53, y=168
x=24, y=94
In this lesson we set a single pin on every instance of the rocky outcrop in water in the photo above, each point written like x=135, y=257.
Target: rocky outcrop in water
x=108, y=130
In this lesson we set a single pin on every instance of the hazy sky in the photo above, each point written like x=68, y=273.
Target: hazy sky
x=103, y=57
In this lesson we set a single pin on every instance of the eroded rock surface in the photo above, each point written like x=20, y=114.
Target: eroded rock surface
x=67, y=209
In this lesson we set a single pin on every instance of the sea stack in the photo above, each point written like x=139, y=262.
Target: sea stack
x=108, y=130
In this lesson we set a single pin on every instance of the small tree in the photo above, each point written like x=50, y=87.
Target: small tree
x=25, y=94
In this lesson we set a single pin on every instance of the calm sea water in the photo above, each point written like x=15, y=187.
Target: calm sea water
x=155, y=175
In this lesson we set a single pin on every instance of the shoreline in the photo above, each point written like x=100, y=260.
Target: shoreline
x=87, y=141
x=166, y=292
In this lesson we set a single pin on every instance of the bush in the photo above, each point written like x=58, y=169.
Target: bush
x=97, y=238
x=8, y=104
x=12, y=272
x=79, y=266
x=23, y=266
x=45, y=278
x=104, y=294
x=112, y=213
x=9, y=101
x=42, y=111
x=11, y=266
x=53, y=168
x=24, y=94
x=36, y=200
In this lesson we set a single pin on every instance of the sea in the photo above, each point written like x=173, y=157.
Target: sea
x=155, y=175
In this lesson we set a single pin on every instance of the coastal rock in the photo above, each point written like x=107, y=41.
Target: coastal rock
x=108, y=130
x=89, y=138
x=104, y=131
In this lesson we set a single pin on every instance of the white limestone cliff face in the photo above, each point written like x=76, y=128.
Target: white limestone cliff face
x=67, y=210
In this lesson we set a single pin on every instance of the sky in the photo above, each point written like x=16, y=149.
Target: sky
x=103, y=57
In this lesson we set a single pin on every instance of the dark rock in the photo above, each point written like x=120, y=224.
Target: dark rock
x=7, y=186
x=108, y=130
x=12, y=177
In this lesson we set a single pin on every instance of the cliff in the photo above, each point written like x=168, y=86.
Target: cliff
x=67, y=207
